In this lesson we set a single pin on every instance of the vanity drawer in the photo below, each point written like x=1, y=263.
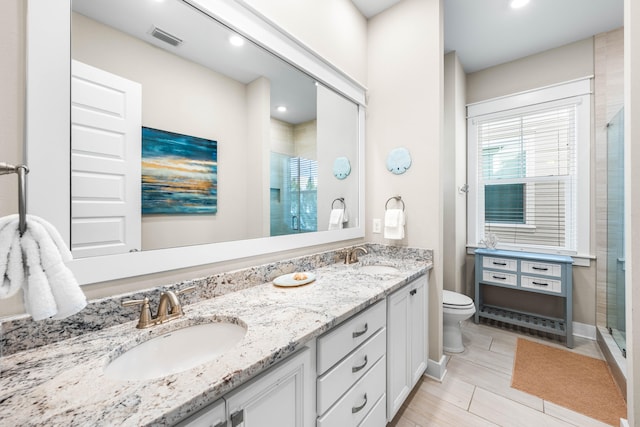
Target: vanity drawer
x=340, y=341
x=543, y=268
x=500, y=263
x=352, y=408
x=541, y=283
x=500, y=277
x=377, y=416
x=335, y=382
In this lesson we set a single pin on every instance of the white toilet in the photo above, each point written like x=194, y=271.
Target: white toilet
x=455, y=308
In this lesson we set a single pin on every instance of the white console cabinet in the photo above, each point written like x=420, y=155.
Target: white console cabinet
x=406, y=341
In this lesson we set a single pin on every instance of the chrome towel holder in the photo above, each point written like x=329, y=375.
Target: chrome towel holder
x=397, y=198
x=339, y=199
x=21, y=171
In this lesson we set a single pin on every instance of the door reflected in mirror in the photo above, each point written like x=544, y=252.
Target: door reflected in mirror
x=170, y=67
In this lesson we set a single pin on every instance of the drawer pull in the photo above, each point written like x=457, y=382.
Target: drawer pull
x=356, y=409
x=413, y=292
x=364, y=331
x=499, y=263
x=540, y=268
x=540, y=283
x=499, y=277
x=355, y=369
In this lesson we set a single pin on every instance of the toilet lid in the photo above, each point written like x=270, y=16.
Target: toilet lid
x=455, y=299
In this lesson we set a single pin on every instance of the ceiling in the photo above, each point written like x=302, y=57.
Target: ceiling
x=485, y=33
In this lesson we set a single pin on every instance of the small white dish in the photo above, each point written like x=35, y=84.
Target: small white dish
x=287, y=280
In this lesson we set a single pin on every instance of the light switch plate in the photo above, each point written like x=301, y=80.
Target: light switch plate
x=377, y=225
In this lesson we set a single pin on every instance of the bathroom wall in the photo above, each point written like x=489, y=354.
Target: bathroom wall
x=564, y=63
x=12, y=76
x=405, y=66
x=454, y=159
x=334, y=29
x=569, y=62
x=632, y=202
x=609, y=99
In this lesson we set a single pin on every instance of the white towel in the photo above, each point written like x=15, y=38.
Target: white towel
x=394, y=221
x=35, y=263
x=336, y=219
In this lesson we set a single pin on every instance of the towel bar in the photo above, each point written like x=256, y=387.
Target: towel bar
x=339, y=199
x=398, y=198
x=21, y=171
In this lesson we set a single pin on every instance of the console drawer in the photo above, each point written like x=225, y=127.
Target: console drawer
x=500, y=278
x=500, y=263
x=340, y=341
x=542, y=268
x=541, y=283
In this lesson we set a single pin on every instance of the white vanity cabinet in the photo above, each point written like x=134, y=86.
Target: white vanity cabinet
x=283, y=396
x=406, y=341
x=351, y=367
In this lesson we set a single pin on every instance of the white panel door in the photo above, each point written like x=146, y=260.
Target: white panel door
x=106, y=120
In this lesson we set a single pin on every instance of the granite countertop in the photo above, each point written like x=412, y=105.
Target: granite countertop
x=63, y=383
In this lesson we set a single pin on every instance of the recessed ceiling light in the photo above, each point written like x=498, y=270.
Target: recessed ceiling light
x=236, y=40
x=517, y=4
x=282, y=109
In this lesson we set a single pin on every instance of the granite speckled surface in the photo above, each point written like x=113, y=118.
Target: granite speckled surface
x=62, y=383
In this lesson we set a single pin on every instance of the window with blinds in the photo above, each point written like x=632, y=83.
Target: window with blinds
x=525, y=175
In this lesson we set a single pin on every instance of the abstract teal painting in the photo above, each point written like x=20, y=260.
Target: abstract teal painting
x=179, y=173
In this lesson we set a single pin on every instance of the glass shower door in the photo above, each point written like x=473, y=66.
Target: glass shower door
x=615, y=231
x=294, y=195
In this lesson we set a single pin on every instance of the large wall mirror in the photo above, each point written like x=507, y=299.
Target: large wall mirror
x=195, y=136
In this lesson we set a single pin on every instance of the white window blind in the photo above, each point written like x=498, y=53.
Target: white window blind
x=525, y=176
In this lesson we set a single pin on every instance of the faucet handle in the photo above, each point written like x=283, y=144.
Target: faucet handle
x=186, y=290
x=145, y=311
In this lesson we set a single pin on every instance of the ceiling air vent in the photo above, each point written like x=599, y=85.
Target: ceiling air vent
x=165, y=37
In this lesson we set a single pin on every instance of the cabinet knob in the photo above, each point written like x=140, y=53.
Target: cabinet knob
x=413, y=292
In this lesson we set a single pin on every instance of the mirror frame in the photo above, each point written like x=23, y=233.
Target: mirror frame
x=48, y=122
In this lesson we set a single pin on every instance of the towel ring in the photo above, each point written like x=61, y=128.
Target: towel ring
x=339, y=199
x=398, y=198
x=21, y=171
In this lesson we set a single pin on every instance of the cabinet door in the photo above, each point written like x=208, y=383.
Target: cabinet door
x=282, y=397
x=406, y=341
x=213, y=415
x=418, y=299
x=398, y=351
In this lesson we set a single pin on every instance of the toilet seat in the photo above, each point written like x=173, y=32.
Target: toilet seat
x=456, y=301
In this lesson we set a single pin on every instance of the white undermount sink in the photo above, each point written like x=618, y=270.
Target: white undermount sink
x=175, y=351
x=378, y=269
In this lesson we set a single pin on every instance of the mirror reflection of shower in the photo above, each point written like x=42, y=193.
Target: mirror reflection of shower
x=294, y=194
x=615, y=231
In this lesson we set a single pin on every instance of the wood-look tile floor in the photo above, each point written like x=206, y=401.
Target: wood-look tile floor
x=476, y=390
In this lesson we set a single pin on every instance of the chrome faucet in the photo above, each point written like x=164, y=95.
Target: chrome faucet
x=351, y=256
x=169, y=308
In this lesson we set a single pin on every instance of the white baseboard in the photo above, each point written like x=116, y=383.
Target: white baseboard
x=583, y=330
x=437, y=370
x=624, y=423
